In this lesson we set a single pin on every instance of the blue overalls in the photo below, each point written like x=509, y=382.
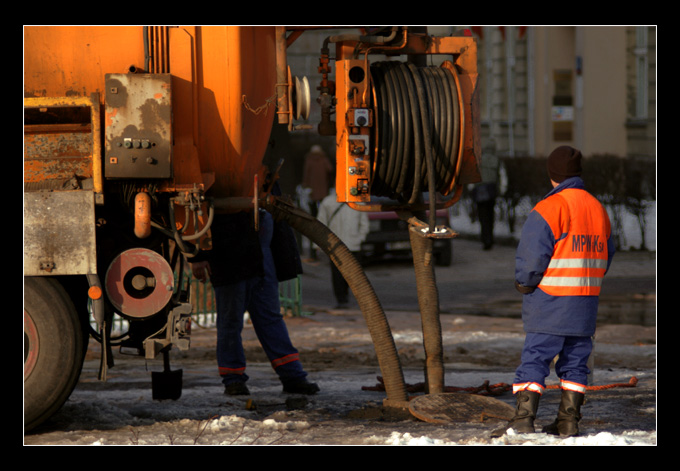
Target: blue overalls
x=259, y=295
x=558, y=323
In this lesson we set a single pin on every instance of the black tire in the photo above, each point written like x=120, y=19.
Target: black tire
x=53, y=349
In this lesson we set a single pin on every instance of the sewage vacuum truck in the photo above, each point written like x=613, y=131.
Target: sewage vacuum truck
x=134, y=137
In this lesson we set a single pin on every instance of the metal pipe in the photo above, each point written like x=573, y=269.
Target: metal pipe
x=282, y=76
x=206, y=226
x=142, y=215
x=95, y=293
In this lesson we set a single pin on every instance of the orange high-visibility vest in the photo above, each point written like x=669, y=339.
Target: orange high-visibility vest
x=581, y=228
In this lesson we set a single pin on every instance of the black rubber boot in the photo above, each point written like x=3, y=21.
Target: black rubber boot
x=525, y=414
x=300, y=387
x=236, y=389
x=568, y=415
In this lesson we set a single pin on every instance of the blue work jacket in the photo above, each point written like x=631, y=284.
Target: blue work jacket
x=542, y=312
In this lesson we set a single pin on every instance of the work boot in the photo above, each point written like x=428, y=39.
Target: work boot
x=568, y=415
x=525, y=414
x=301, y=386
x=238, y=388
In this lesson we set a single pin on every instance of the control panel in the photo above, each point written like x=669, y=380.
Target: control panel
x=355, y=128
x=138, y=126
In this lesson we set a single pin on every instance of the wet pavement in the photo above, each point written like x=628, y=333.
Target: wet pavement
x=481, y=282
x=482, y=339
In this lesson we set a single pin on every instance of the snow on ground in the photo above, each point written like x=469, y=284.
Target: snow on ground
x=337, y=351
x=204, y=417
x=345, y=412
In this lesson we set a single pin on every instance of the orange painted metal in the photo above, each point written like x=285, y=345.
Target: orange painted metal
x=59, y=156
x=353, y=176
x=225, y=78
x=223, y=81
x=142, y=215
x=353, y=91
x=62, y=61
x=94, y=292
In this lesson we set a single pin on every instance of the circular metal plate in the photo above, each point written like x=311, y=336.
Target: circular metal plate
x=446, y=408
x=139, y=282
x=302, y=98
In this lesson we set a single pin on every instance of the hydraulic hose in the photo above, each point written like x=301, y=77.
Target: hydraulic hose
x=361, y=287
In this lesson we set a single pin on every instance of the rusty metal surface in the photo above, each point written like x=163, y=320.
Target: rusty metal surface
x=223, y=80
x=138, y=126
x=139, y=283
x=59, y=233
x=62, y=144
x=444, y=408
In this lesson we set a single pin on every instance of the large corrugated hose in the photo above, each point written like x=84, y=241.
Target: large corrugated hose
x=417, y=150
x=418, y=132
x=361, y=287
x=428, y=301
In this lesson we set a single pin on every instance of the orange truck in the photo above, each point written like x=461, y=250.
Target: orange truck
x=135, y=136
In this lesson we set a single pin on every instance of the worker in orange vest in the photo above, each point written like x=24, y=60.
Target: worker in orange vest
x=564, y=252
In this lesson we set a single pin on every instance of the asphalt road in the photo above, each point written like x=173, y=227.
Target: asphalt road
x=480, y=282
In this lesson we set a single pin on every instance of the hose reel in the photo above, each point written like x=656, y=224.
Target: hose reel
x=419, y=135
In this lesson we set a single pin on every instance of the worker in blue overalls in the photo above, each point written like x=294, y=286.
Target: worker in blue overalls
x=564, y=251
x=245, y=266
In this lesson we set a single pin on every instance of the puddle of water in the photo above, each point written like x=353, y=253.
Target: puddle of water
x=634, y=310
x=630, y=311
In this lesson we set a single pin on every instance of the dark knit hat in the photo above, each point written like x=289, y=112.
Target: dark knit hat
x=564, y=162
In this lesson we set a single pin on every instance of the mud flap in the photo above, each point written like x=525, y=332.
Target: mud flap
x=444, y=408
x=166, y=384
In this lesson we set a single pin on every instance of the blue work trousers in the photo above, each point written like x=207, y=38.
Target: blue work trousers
x=260, y=297
x=539, y=351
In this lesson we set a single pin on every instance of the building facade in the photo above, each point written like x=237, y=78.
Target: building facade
x=591, y=87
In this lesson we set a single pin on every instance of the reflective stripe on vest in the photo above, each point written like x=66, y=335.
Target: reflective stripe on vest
x=566, y=272
x=581, y=227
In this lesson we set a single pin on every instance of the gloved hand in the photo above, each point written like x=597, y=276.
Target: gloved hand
x=200, y=271
x=524, y=289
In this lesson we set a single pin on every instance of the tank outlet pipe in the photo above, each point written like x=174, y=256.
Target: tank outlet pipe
x=142, y=215
x=362, y=289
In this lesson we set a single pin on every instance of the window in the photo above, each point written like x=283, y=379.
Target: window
x=641, y=77
x=562, y=106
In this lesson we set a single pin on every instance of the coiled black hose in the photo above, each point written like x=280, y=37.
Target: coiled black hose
x=418, y=132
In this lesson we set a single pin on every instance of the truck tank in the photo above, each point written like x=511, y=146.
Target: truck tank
x=219, y=77
x=135, y=136
x=128, y=132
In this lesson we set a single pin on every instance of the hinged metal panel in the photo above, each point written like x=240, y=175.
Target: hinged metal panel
x=59, y=233
x=138, y=126
x=62, y=144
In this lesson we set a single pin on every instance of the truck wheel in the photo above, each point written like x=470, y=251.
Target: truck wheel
x=53, y=349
